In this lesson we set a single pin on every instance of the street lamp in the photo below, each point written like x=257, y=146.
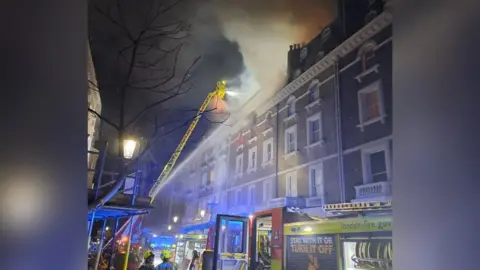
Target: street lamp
x=175, y=219
x=169, y=227
x=129, y=148
x=202, y=213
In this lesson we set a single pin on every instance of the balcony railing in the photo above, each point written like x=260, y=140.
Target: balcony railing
x=377, y=191
x=287, y=202
x=314, y=201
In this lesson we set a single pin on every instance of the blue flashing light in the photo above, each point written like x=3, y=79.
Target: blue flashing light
x=163, y=241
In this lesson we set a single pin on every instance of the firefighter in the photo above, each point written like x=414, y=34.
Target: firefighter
x=148, y=257
x=166, y=264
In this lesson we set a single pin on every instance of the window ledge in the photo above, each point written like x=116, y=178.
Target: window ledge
x=240, y=148
x=371, y=121
x=291, y=117
x=293, y=153
x=266, y=131
x=266, y=163
x=321, y=143
x=360, y=76
x=250, y=170
x=252, y=140
x=313, y=104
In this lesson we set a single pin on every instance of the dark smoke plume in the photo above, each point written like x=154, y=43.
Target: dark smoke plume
x=247, y=40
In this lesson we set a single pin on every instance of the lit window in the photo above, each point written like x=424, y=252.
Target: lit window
x=370, y=104
x=314, y=129
x=291, y=184
x=291, y=139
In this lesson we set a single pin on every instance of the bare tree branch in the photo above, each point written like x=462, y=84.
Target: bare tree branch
x=166, y=79
x=115, y=22
x=177, y=93
x=95, y=87
x=104, y=119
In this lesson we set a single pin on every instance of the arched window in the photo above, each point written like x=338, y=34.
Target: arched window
x=314, y=91
x=291, y=106
x=366, y=52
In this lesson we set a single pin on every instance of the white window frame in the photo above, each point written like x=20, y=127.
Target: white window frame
x=239, y=165
x=265, y=160
x=291, y=107
x=267, y=193
x=252, y=166
x=312, y=186
x=376, y=86
x=288, y=190
x=251, y=200
x=366, y=152
x=313, y=89
x=292, y=129
x=315, y=117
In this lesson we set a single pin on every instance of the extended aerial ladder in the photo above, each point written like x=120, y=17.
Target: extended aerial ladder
x=219, y=92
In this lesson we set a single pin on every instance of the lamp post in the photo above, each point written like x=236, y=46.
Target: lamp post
x=129, y=147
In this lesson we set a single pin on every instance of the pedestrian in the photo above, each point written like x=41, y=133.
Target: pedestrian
x=194, y=262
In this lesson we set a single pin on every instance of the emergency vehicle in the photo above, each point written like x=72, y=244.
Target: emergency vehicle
x=352, y=236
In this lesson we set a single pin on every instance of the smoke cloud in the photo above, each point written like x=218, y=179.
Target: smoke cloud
x=246, y=42
x=260, y=31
